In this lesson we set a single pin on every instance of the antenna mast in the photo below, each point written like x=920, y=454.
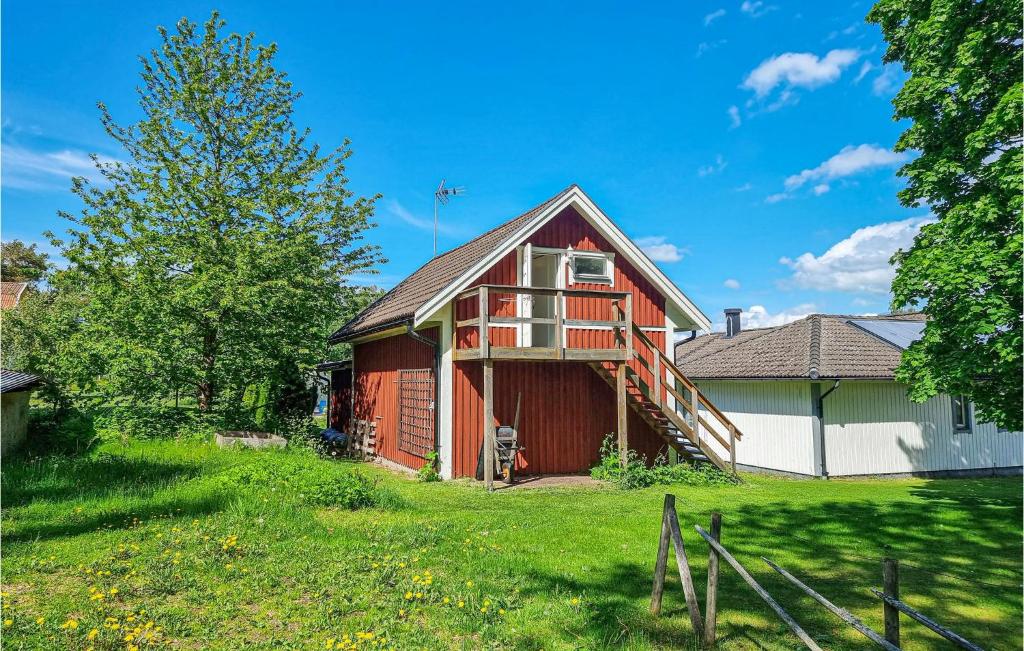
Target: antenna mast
x=441, y=198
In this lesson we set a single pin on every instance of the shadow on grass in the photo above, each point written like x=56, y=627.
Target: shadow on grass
x=118, y=518
x=959, y=553
x=61, y=478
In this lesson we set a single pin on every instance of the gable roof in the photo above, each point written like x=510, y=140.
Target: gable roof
x=421, y=294
x=11, y=381
x=10, y=293
x=817, y=346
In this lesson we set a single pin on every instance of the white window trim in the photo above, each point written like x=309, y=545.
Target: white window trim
x=609, y=260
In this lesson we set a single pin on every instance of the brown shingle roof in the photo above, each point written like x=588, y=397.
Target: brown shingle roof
x=817, y=346
x=401, y=303
x=10, y=293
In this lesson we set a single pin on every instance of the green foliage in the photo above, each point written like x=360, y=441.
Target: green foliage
x=638, y=474
x=20, y=263
x=52, y=431
x=142, y=422
x=216, y=255
x=303, y=477
x=964, y=101
x=428, y=471
x=45, y=335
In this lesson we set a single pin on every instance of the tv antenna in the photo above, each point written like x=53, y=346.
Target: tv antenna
x=441, y=196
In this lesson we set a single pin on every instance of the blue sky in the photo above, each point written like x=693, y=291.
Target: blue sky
x=747, y=145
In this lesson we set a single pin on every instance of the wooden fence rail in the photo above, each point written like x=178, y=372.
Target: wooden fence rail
x=705, y=628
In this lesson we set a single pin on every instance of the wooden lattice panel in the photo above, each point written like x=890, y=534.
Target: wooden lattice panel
x=416, y=411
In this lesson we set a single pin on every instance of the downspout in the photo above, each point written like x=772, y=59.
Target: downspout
x=821, y=433
x=436, y=345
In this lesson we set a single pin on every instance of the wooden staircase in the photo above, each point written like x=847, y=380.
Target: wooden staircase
x=671, y=404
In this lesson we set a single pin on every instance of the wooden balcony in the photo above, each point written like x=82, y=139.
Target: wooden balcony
x=494, y=325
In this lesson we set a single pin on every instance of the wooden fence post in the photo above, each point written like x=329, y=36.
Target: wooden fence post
x=891, y=587
x=622, y=414
x=711, y=598
x=659, y=567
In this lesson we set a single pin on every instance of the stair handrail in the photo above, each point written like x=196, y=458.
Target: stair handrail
x=698, y=397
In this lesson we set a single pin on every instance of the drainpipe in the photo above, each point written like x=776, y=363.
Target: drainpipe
x=436, y=346
x=820, y=408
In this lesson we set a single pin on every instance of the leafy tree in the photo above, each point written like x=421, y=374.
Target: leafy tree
x=45, y=335
x=215, y=256
x=21, y=263
x=963, y=99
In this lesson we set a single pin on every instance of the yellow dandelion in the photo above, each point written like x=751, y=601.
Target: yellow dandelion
x=92, y=634
x=575, y=601
x=501, y=611
x=469, y=584
x=8, y=623
x=408, y=595
x=329, y=644
x=40, y=620
x=71, y=623
x=462, y=604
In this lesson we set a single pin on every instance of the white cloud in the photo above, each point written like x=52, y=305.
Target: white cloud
x=777, y=197
x=756, y=8
x=734, y=116
x=732, y=283
x=798, y=70
x=886, y=82
x=821, y=189
x=758, y=316
x=713, y=16
x=659, y=250
x=27, y=169
x=719, y=165
x=865, y=68
x=400, y=211
x=706, y=46
x=744, y=188
x=859, y=263
x=850, y=160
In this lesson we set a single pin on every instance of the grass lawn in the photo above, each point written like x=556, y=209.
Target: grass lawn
x=153, y=528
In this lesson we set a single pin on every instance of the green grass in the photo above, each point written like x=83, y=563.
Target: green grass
x=553, y=569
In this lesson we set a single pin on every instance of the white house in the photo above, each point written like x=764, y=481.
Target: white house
x=817, y=397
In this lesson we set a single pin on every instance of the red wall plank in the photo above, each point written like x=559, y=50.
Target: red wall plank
x=376, y=398
x=567, y=410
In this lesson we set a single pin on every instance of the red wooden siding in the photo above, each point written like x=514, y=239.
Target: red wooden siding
x=340, y=401
x=567, y=410
x=376, y=398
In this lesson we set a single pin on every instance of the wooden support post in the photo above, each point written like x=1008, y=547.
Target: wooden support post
x=711, y=598
x=559, y=319
x=891, y=587
x=622, y=413
x=657, y=376
x=485, y=351
x=662, y=564
x=732, y=448
x=628, y=318
x=489, y=423
x=684, y=567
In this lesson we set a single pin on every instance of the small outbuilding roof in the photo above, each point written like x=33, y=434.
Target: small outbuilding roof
x=825, y=346
x=11, y=381
x=10, y=293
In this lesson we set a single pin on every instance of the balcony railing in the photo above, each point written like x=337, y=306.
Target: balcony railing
x=563, y=324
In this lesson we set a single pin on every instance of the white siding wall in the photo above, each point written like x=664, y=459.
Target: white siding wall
x=775, y=418
x=872, y=428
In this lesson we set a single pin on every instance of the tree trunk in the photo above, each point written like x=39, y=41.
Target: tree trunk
x=207, y=393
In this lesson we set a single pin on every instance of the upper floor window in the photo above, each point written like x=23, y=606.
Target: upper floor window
x=961, y=413
x=591, y=267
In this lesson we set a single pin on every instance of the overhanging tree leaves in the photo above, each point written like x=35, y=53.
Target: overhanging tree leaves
x=215, y=255
x=964, y=271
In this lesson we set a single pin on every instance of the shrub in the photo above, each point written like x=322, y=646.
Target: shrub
x=428, y=471
x=304, y=477
x=68, y=431
x=143, y=422
x=638, y=474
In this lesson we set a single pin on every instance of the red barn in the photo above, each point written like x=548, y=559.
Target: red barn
x=557, y=309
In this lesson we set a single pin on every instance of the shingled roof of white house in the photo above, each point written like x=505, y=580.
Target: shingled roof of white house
x=817, y=346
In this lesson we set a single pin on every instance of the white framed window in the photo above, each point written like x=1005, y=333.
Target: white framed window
x=591, y=267
x=961, y=413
